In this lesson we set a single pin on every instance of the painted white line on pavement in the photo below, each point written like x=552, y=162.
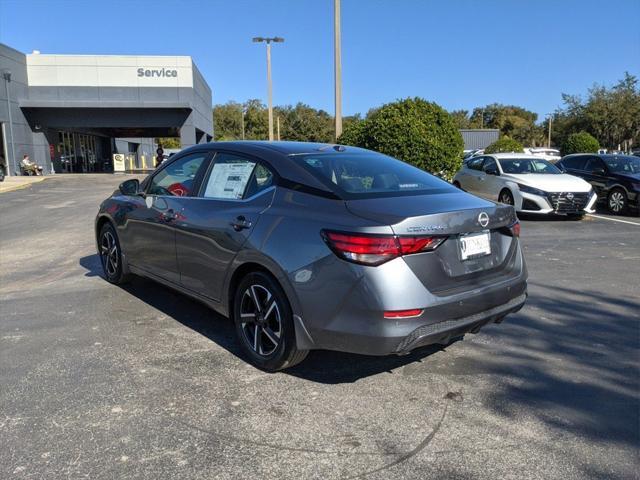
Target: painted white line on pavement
x=613, y=219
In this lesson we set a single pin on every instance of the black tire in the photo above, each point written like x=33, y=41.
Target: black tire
x=111, y=255
x=506, y=197
x=2, y=174
x=264, y=323
x=617, y=201
x=457, y=185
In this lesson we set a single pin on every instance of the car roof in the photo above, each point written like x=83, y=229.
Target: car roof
x=279, y=155
x=604, y=156
x=283, y=147
x=511, y=155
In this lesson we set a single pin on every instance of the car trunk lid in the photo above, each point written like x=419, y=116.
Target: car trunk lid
x=453, y=215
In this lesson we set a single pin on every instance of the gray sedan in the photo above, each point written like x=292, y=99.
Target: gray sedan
x=313, y=246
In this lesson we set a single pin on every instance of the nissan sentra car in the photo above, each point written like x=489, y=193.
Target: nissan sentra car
x=531, y=184
x=312, y=246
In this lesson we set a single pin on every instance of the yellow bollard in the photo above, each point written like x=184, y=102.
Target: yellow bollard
x=144, y=166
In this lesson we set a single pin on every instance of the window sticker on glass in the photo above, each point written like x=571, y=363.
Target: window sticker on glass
x=228, y=180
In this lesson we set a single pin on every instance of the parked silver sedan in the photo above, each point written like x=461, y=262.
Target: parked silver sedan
x=312, y=246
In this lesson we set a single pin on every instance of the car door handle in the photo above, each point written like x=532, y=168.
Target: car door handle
x=240, y=223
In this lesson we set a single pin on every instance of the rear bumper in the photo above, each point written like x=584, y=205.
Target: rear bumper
x=444, y=332
x=369, y=333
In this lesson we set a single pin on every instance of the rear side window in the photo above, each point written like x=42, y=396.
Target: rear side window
x=593, y=163
x=576, y=163
x=369, y=174
x=475, y=164
x=489, y=164
x=233, y=177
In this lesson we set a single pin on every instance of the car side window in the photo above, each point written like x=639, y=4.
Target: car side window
x=476, y=163
x=489, y=164
x=178, y=178
x=575, y=163
x=593, y=163
x=233, y=177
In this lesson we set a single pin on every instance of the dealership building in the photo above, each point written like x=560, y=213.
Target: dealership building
x=76, y=113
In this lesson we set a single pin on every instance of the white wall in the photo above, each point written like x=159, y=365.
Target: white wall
x=109, y=71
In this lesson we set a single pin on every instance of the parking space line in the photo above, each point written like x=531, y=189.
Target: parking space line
x=614, y=219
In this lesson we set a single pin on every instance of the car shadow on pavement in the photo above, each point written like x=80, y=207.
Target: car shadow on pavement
x=92, y=264
x=571, y=359
x=320, y=366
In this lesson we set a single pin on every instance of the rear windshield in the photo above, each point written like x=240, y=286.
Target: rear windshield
x=370, y=174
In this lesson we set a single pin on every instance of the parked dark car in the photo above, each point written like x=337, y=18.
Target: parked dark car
x=615, y=178
x=312, y=246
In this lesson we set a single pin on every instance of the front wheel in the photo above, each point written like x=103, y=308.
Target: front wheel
x=506, y=197
x=111, y=255
x=617, y=201
x=264, y=323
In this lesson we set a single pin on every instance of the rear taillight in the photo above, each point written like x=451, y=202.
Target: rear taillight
x=376, y=249
x=415, y=312
x=512, y=230
x=515, y=228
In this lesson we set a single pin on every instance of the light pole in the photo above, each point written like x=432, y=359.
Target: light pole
x=6, y=74
x=337, y=57
x=550, y=115
x=269, y=86
x=242, y=112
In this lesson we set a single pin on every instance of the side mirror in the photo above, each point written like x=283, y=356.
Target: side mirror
x=130, y=187
x=492, y=171
x=599, y=171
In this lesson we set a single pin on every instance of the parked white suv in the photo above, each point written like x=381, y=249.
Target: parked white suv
x=531, y=184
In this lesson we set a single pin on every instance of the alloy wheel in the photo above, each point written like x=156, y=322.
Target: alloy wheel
x=260, y=320
x=616, y=201
x=109, y=253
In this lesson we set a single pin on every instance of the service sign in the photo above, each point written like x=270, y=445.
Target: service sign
x=118, y=162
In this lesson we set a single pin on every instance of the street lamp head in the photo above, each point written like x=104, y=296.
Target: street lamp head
x=6, y=74
x=268, y=39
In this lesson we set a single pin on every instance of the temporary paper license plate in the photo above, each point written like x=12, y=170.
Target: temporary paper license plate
x=475, y=245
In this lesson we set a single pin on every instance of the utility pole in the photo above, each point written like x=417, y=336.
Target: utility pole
x=6, y=74
x=242, y=111
x=337, y=54
x=268, y=41
x=549, y=137
x=278, y=125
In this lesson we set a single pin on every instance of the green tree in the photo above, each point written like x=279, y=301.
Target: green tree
x=611, y=115
x=581, y=142
x=227, y=121
x=461, y=117
x=512, y=121
x=504, y=145
x=414, y=130
x=305, y=124
x=169, y=142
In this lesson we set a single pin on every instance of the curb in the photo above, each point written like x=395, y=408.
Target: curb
x=4, y=188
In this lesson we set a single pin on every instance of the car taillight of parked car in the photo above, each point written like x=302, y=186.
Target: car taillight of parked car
x=376, y=249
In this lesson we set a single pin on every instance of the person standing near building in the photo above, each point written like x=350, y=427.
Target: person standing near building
x=159, y=155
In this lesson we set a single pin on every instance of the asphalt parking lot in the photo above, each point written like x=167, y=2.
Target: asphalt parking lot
x=98, y=381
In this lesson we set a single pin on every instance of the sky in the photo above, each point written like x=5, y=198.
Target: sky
x=458, y=53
